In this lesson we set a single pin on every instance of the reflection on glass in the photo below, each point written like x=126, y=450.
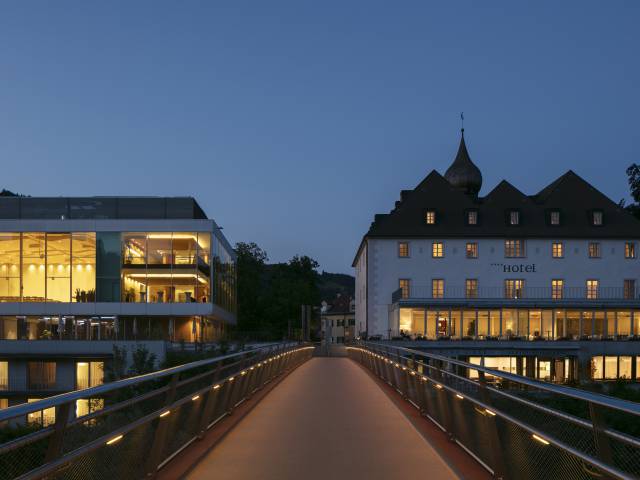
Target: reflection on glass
x=134, y=248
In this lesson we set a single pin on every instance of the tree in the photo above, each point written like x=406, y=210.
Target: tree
x=633, y=177
x=251, y=260
x=142, y=361
x=116, y=369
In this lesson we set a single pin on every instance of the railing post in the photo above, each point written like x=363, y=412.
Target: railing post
x=160, y=437
x=54, y=450
x=600, y=439
x=210, y=405
x=499, y=470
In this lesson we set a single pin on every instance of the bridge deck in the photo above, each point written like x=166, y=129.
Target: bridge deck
x=327, y=420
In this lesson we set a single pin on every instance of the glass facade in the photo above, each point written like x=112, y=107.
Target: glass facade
x=519, y=323
x=166, y=267
x=142, y=267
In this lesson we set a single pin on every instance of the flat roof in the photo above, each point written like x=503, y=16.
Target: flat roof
x=17, y=207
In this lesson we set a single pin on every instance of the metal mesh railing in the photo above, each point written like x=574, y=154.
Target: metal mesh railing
x=516, y=427
x=132, y=427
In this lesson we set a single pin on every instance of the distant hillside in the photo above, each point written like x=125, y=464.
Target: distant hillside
x=330, y=284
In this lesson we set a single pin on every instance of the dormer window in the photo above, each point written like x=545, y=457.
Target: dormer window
x=554, y=217
x=430, y=217
x=597, y=218
x=514, y=217
x=472, y=217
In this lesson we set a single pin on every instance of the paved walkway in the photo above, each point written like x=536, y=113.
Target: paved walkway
x=327, y=420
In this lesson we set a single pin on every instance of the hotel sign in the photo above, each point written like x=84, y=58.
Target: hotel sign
x=516, y=267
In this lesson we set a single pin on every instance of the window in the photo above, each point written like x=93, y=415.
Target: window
x=596, y=218
x=513, y=288
x=557, y=250
x=437, y=250
x=41, y=417
x=89, y=374
x=594, y=250
x=557, y=289
x=592, y=289
x=4, y=375
x=430, y=217
x=405, y=287
x=403, y=249
x=472, y=250
x=629, y=289
x=629, y=250
x=471, y=288
x=472, y=217
x=514, y=217
x=554, y=217
x=437, y=288
x=42, y=375
x=513, y=248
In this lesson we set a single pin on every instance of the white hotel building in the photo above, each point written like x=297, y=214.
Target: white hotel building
x=560, y=265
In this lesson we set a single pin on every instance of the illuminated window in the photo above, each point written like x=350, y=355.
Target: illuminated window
x=89, y=374
x=430, y=217
x=557, y=289
x=610, y=367
x=596, y=217
x=4, y=375
x=629, y=250
x=472, y=217
x=405, y=287
x=594, y=250
x=624, y=368
x=403, y=249
x=471, y=288
x=514, y=217
x=9, y=267
x=58, y=267
x=554, y=217
x=33, y=267
x=83, y=267
x=514, y=248
x=597, y=368
x=557, y=250
x=513, y=288
x=592, y=289
x=629, y=289
x=437, y=288
x=437, y=250
x=44, y=417
x=85, y=406
x=472, y=250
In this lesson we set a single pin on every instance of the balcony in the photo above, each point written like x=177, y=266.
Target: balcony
x=547, y=294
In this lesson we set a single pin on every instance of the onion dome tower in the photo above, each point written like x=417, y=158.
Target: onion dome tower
x=463, y=173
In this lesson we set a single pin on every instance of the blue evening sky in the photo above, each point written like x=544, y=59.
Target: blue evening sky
x=293, y=123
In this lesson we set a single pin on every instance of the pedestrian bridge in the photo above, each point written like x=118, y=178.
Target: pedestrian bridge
x=281, y=412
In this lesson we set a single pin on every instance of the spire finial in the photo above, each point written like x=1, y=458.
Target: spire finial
x=462, y=123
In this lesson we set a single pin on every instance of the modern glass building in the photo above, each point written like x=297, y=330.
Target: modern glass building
x=78, y=274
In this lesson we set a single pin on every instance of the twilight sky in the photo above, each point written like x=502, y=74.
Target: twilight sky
x=294, y=122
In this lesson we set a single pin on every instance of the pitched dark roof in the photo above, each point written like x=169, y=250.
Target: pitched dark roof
x=570, y=194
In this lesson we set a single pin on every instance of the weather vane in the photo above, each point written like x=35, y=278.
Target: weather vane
x=462, y=121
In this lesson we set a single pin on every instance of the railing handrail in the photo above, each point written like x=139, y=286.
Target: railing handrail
x=592, y=397
x=92, y=392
